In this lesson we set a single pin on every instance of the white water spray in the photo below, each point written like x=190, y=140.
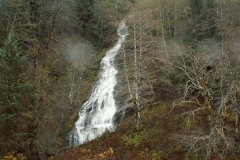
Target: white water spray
x=96, y=114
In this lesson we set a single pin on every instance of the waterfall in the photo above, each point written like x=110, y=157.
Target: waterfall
x=96, y=114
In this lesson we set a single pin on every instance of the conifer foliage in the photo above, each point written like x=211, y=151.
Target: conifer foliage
x=202, y=21
x=88, y=19
x=16, y=99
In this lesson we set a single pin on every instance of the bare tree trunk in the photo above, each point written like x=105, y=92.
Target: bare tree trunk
x=136, y=99
x=126, y=74
x=236, y=122
x=71, y=90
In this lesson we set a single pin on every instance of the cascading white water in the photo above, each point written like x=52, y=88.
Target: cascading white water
x=96, y=114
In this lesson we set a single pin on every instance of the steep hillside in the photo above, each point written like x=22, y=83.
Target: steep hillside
x=178, y=78
x=153, y=140
x=174, y=73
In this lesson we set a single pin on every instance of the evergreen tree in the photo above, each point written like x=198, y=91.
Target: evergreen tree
x=211, y=18
x=16, y=99
x=210, y=4
x=196, y=10
x=203, y=23
x=196, y=7
x=5, y=15
x=88, y=20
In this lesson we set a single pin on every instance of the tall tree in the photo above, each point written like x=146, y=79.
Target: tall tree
x=196, y=7
x=202, y=21
x=211, y=18
x=16, y=100
x=88, y=20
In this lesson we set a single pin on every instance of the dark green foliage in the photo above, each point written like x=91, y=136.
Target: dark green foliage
x=16, y=99
x=95, y=20
x=194, y=33
x=88, y=20
x=211, y=18
x=34, y=8
x=132, y=1
x=210, y=4
x=5, y=17
x=203, y=22
x=86, y=15
x=24, y=16
x=196, y=7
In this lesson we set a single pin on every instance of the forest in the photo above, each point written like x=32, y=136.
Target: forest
x=178, y=78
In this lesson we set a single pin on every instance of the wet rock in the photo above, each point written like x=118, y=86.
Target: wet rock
x=124, y=113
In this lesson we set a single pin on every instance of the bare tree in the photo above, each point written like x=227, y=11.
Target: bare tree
x=211, y=101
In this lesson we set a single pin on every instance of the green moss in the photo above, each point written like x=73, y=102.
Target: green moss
x=136, y=139
x=156, y=155
x=191, y=156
